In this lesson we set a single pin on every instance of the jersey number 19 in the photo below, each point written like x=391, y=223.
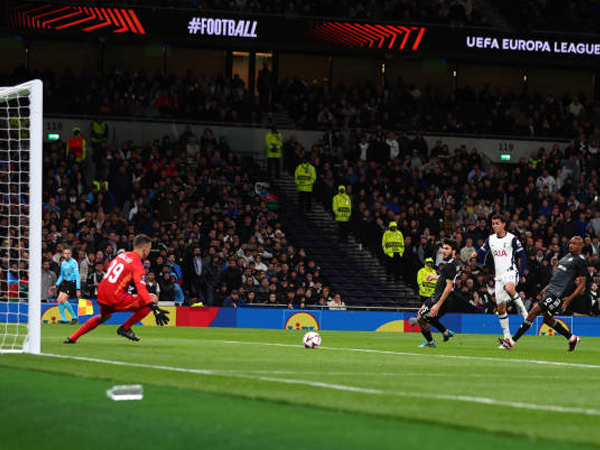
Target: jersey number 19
x=114, y=271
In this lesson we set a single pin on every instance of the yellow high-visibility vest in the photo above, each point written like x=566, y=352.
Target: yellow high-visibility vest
x=342, y=207
x=393, y=242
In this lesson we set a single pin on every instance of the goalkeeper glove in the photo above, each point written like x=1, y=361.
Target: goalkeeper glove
x=160, y=315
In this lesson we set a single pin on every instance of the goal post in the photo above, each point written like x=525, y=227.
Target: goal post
x=21, y=141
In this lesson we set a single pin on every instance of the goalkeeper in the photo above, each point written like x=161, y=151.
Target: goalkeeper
x=123, y=289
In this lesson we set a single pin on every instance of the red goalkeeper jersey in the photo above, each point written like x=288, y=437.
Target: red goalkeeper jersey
x=124, y=279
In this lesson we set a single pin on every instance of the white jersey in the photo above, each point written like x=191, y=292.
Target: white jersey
x=504, y=251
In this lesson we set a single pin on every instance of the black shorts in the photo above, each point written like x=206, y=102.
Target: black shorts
x=551, y=304
x=430, y=302
x=69, y=288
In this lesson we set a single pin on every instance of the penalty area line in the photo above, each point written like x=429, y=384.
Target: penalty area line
x=339, y=387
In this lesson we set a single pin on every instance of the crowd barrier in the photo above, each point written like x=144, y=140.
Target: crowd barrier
x=286, y=319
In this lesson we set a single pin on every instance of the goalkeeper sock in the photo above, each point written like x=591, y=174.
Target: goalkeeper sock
x=61, y=309
x=560, y=329
x=504, y=324
x=526, y=325
x=70, y=309
x=88, y=326
x=520, y=306
x=136, y=317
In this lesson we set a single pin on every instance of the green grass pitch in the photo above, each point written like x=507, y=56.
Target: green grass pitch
x=260, y=389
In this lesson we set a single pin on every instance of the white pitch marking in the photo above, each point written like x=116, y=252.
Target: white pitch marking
x=342, y=387
x=402, y=374
x=389, y=352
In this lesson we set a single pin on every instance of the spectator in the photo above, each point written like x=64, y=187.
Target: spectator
x=336, y=303
x=467, y=251
x=178, y=296
x=233, y=300
x=48, y=279
x=152, y=285
x=94, y=280
x=193, y=275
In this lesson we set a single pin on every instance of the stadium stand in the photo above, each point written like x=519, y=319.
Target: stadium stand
x=435, y=193
x=315, y=105
x=205, y=203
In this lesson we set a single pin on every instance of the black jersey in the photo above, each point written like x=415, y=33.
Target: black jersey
x=570, y=267
x=450, y=271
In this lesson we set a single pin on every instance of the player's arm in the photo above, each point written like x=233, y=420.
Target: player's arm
x=481, y=252
x=580, y=283
x=60, y=278
x=150, y=300
x=518, y=248
x=450, y=275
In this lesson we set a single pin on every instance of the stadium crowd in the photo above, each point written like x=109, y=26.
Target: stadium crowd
x=572, y=16
x=319, y=105
x=216, y=234
x=433, y=193
x=423, y=108
x=141, y=94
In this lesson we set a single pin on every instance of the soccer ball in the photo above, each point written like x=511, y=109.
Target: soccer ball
x=312, y=339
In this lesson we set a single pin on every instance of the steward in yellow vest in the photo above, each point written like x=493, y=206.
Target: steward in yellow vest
x=305, y=176
x=274, y=148
x=342, y=208
x=99, y=132
x=426, y=287
x=393, y=248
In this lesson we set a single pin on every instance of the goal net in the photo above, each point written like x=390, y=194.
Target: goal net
x=20, y=216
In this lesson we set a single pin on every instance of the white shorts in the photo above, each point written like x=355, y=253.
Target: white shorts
x=510, y=276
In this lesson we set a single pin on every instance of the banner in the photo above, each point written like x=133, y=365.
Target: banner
x=192, y=27
x=311, y=320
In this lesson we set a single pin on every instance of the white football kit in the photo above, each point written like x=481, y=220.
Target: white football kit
x=504, y=250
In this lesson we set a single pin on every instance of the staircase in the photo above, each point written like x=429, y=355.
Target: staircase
x=351, y=270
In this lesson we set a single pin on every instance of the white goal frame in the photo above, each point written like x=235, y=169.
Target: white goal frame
x=32, y=343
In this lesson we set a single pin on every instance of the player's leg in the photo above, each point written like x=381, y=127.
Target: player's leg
x=511, y=290
x=560, y=329
x=91, y=323
x=435, y=321
x=502, y=299
x=423, y=320
x=132, y=303
x=61, y=300
x=136, y=317
x=526, y=325
x=71, y=294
